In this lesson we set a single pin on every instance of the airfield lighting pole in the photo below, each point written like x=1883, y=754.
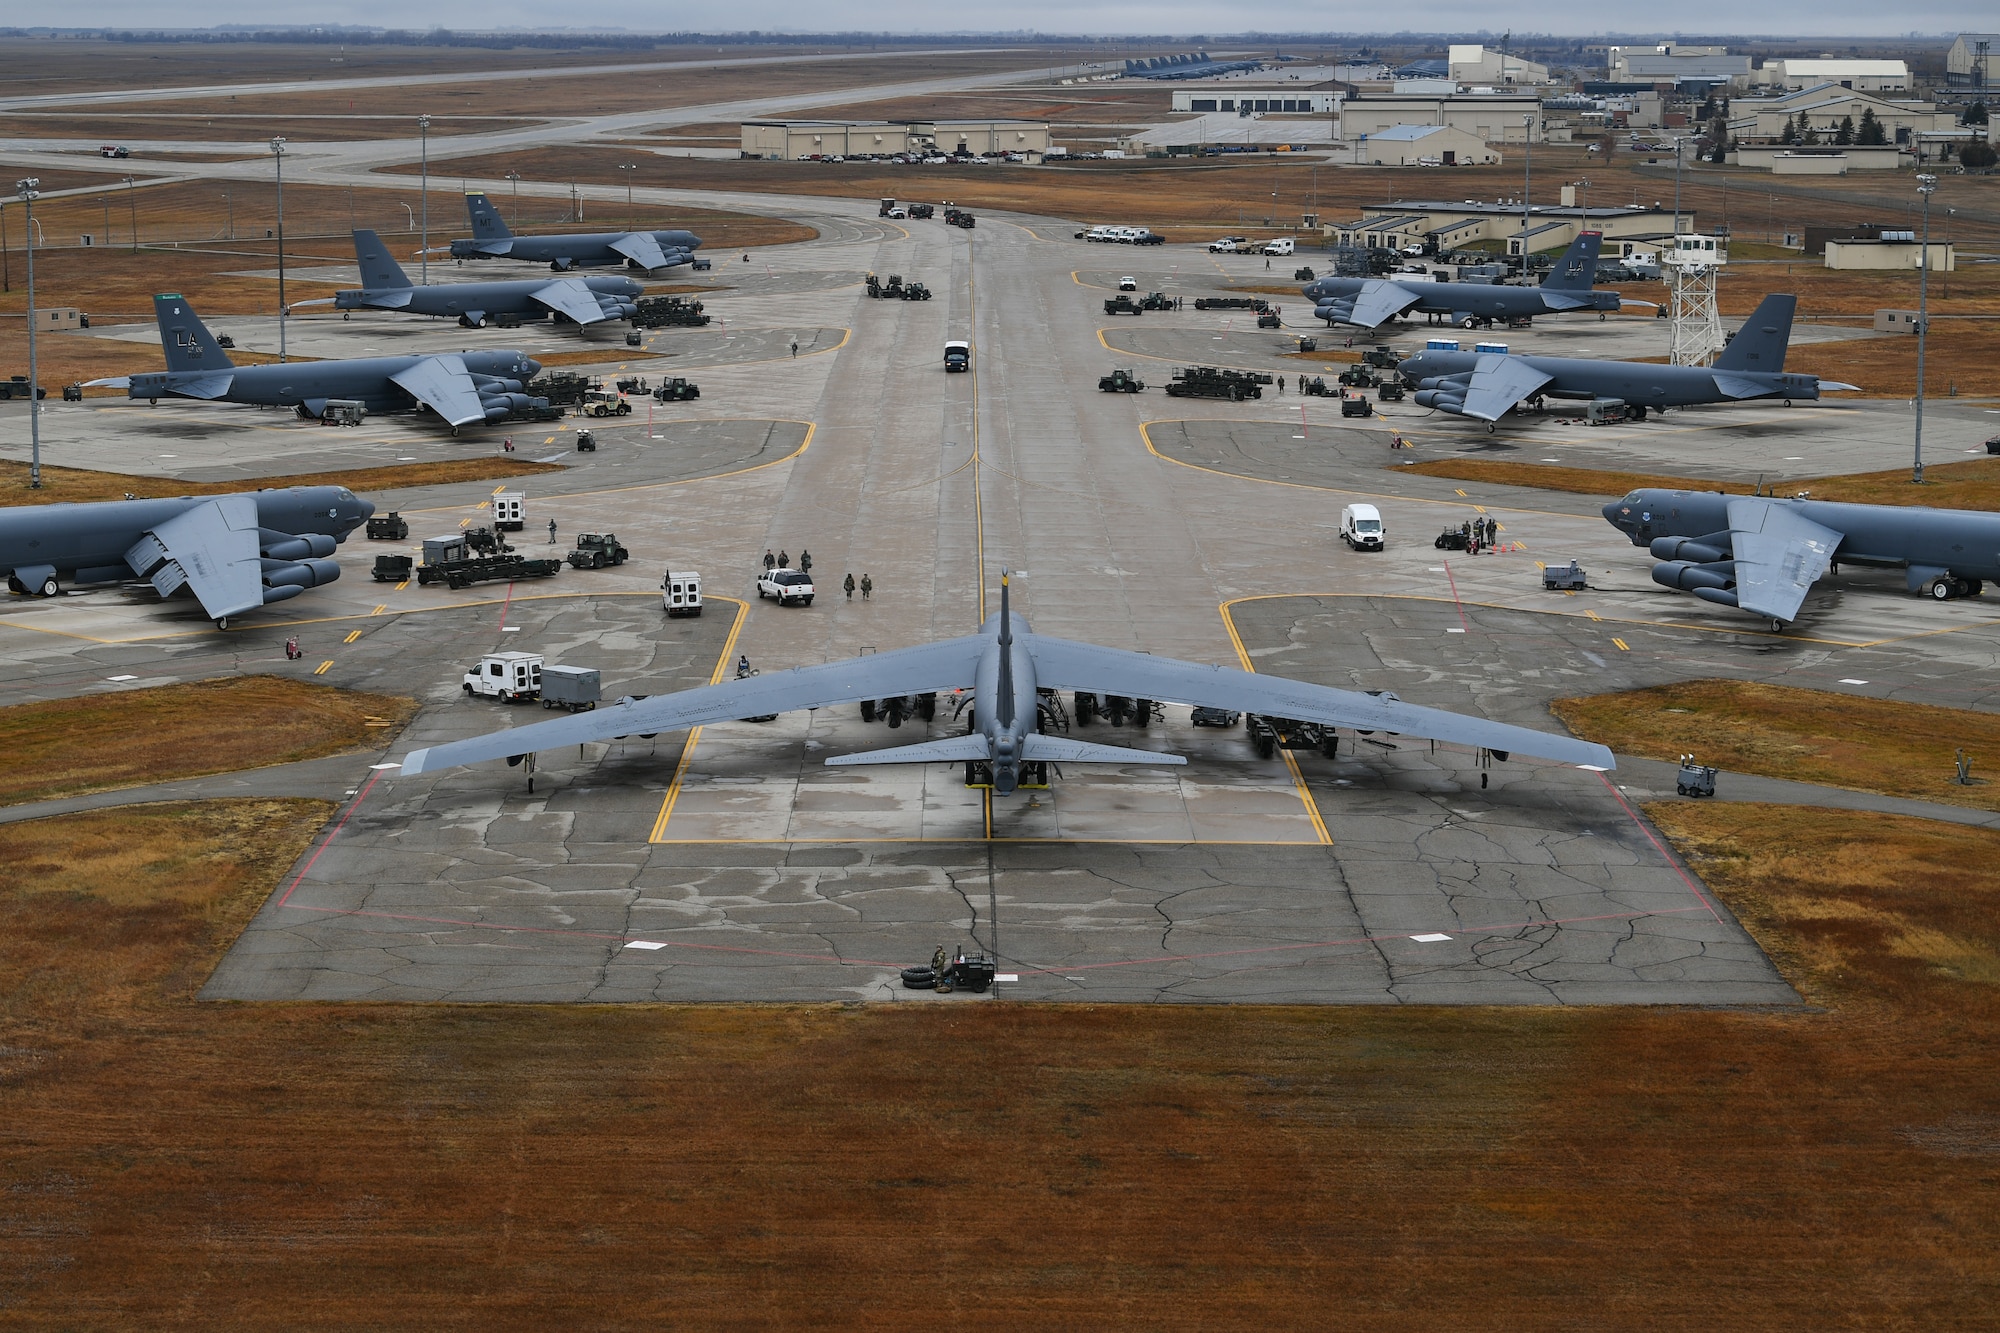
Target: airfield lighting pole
x=628, y=168
x=132, y=202
x=514, y=179
x=424, y=261
x=1678, y=141
x=1527, y=183
x=278, y=156
x=6, y=264
x=27, y=190
x=1926, y=185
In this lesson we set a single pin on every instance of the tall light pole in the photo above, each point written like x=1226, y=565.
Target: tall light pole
x=278, y=156
x=514, y=179
x=28, y=189
x=1925, y=186
x=628, y=168
x=1678, y=141
x=132, y=201
x=424, y=259
x=1527, y=184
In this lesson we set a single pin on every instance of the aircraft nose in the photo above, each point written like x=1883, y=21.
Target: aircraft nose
x=364, y=509
x=1610, y=512
x=532, y=366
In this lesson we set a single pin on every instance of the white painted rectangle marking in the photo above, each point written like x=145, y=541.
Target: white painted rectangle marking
x=121, y=678
x=1429, y=939
x=379, y=767
x=1454, y=631
x=1849, y=680
x=510, y=629
x=1006, y=976
x=644, y=944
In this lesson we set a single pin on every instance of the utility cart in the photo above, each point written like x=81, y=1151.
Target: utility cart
x=1696, y=780
x=577, y=689
x=1564, y=578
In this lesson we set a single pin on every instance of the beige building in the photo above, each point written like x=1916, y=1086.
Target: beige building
x=1458, y=225
x=1422, y=146
x=1891, y=252
x=1869, y=76
x=1763, y=119
x=1477, y=64
x=1973, y=61
x=794, y=140
x=1488, y=117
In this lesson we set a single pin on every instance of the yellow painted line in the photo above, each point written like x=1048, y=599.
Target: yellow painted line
x=1593, y=615
x=384, y=607
x=1458, y=492
x=659, y=833
x=1623, y=646
x=496, y=490
x=1476, y=508
x=399, y=587
x=352, y=636
x=1541, y=564
x=323, y=666
x=1291, y=764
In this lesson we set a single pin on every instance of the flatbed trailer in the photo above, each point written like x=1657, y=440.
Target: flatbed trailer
x=487, y=569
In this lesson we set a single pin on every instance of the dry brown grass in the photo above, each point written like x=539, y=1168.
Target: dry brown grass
x=92, y=742
x=418, y=1166
x=1971, y=484
x=75, y=485
x=1779, y=731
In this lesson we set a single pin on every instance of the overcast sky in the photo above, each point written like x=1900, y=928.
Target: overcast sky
x=1569, y=17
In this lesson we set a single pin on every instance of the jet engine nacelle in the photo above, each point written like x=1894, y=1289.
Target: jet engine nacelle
x=1459, y=382
x=492, y=384
x=299, y=574
x=285, y=546
x=1686, y=577
x=1444, y=400
x=1699, y=550
x=282, y=593
x=1717, y=595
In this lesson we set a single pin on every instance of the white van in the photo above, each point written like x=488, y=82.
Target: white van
x=1361, y=527
x=680, y=593
x=1281, y=246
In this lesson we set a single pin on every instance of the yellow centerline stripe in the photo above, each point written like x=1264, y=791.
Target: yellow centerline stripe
x=694, y=735
x=1298, y=778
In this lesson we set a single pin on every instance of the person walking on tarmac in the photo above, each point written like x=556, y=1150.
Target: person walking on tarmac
x=770, y=561
x=867, y=587
x=552, y=532
x=847, y=585
x=805, y=561
x=1281, y=384
x=784, y=560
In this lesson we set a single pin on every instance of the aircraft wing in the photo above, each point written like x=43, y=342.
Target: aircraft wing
x=1379, y=301
x=947, y=665
x=1067, y=664
x=1499, y=382
x=211, y=549
x=1779, y=556
x=641, y=249
x=443, y=384
x=572, y=298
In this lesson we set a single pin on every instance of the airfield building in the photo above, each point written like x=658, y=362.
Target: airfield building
x=793, y=140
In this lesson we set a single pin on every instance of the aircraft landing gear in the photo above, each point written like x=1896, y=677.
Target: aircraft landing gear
x=1489, y=428
x=222, y=622
x=50, y=588
x=152, y=402
x=1788, y=402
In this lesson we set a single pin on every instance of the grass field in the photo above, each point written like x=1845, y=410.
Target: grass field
x=390, y=1165
x=1971, y=484
x=92, y=742
x=71, y=485
x=1819, y=736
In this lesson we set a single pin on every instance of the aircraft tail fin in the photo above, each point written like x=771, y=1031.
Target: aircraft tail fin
x=1576, y=271
x=1761, y=343
x=487, y=224
x=187, y=342
x=378, y=270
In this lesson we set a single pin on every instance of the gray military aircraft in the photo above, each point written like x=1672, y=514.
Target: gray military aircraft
x=235, y=553
x=649, y=250
x=1487, y=385
x=1368, y=302
x=384, y=286
x=1761, y=554
x=1004, y=664
x=460, y=387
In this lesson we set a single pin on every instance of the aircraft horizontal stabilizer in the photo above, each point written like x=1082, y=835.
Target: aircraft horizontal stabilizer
x=115, y=382
x=1835, y=386
x=1037, y=748
x=952, y=750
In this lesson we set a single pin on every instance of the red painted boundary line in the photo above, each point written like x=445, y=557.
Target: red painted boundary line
x=1693, y=888
x=1455, y=603
x=506, y=605
x=306, y=869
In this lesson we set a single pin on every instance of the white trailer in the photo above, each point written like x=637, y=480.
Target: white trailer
x=680, y=593
x=510, y=511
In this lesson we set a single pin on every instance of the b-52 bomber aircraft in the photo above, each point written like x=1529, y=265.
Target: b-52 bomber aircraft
x=1004, y=664
x=235, y=553
x=384, y=286
x=1487, y=385
x=462, y=388
x=1369, y=302
x=649, y=250
x=1763, y=554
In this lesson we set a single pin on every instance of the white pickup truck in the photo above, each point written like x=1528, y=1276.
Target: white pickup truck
x=787, y=585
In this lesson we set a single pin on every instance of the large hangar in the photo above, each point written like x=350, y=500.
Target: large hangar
x=790, y=140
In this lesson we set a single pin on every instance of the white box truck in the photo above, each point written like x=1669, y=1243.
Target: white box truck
x=508, y=677
x=680, y=593
x=1282, y=246
x=510, y=511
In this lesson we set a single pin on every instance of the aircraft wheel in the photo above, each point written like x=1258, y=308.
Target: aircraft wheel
x=222, y=622
x=1489, y=428
x=152, y=402
x=50, y=589
x=1940, y=590
x=1973, y=588
x=867, y=710
x=1788, y=402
